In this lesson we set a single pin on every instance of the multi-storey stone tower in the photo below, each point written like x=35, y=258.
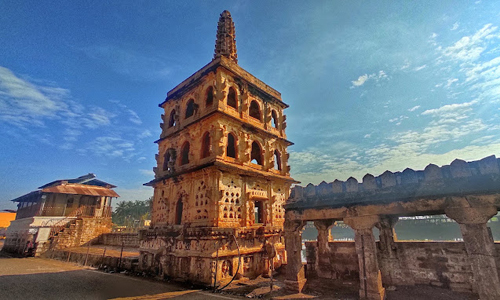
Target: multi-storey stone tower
x=222, y=175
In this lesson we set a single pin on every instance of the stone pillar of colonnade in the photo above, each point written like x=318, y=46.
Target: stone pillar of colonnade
x=392, y=271
x=369, y=272
x=479, y=245
x=324, y=237
x=295, y=274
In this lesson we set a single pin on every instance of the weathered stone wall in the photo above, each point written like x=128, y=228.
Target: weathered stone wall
x=443, y=264
x=82, y=231
x=341, y=261
x=193, y=253
x=460, y=177
x=129, y=240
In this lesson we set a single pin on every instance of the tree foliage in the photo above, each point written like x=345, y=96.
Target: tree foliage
x=132, y=213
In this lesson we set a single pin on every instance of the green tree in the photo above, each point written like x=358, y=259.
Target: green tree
x=132, y=213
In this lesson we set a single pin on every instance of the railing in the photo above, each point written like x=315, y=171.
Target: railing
x=82, y=211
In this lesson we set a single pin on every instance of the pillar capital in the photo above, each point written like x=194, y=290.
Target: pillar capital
x=470, y=215
x=387, y=221
x=323, y=224
x=293, y=225
x=362, y=222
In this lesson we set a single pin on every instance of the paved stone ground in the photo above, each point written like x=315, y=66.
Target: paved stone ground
x=37, y=278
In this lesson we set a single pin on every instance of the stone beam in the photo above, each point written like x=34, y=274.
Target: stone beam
x=417, y=207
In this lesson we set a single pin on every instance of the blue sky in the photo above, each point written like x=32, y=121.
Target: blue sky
x=372, y=85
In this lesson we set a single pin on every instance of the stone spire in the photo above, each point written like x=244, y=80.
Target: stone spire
x=225, y=44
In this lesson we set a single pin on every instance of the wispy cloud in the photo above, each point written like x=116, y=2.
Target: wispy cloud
x=450, y=110
x=455, y=26
x=111, y=147
x=24, y=104
x=398, y=120
x=469, y=48
x=420, y=67
x=414, y=108
x=364, y=78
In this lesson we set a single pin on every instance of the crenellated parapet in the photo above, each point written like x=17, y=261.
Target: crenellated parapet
x=458, y=178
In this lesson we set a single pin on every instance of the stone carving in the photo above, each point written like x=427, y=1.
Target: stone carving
x=205, y=199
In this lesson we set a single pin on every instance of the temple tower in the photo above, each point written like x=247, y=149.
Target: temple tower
x=222, y=174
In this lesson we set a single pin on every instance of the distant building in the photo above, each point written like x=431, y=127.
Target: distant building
x=62, y=213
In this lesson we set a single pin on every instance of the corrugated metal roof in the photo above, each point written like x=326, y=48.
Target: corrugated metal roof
x=29, y=197
x=88, y=179
x=80, y=189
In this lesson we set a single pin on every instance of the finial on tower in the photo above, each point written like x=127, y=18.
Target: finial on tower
x=225, y=43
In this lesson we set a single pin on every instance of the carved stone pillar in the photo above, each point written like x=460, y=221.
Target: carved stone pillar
x=394, y=272
x=369, y=272
x=480, y=247
x=295, y=276
x=323, y=253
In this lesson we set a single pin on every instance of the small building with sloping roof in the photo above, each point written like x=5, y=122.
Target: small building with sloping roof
x=61, y=213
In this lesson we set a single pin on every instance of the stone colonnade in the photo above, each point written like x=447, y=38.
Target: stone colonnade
x=476, y=235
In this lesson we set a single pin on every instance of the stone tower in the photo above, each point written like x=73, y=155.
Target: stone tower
x=222, y=175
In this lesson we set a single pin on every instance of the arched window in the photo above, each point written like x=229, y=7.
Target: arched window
x=190, y=108
x=185, y=153
x=231, y=146
x=178, y=212
x=254, y=110
x=166, y=159
x=171, y=119
x=275, y=119
x=210, y=97
x=205, y=145
x=256, y=156
x=231, y=98
x=277, y=160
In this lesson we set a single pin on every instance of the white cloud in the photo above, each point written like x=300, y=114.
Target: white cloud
x=450, y=109
x=450, y=81
x=364, y=78
x=406, y=65
x=420, y=67
x=455, y=26
x=469, y=48
x=134, y=117
x=25, y=104
x=146, y=133
x=360, y=81
x=97, y=117
x=398, y=120
x=414, y=108
x=111, y=147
